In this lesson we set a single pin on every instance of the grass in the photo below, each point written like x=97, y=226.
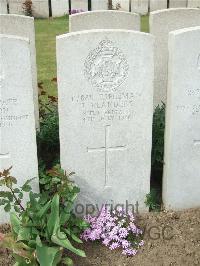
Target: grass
x=46, y=32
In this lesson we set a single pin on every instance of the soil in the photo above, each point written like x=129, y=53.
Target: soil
x=171, y=238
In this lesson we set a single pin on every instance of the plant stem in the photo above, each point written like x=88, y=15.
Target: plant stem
x=17, y=200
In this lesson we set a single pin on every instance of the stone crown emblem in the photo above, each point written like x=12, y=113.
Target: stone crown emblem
x=106, y=67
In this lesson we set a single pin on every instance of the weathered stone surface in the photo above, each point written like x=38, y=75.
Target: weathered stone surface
x=17, y=125
x=177, y=3
x=99, y=5
x=16, y=7
x=105, y=78
x=182, y=137
x=23, y=26
x=194, y=3
x=157, y=5
x=3, y=7
x=79, y=4
x=41, y=8
x=123, y=5
x=104, y=20
x=140, y=6
x=161, y=23
x=59, y=7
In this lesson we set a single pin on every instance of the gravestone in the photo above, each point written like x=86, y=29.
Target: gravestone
x=177, y=3
x=59, y=8
x=105, y=131
x=3, y=7
x=182, y=137
x=16, y=7
x=140, y=6
x=122, y=4
x=99, y=5
x=194, y=3
x=79, y=4
x=161, y=23
x=41, y=8
x=104, y=20
x=157, y=5
x=23, y=26
x=17, y=126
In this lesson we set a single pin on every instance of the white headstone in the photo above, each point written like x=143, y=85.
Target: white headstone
x=140, y=6
x=161, y=23
x=99, y=5
x=79, y=4
x=23, y=26
x=157, y=5
x=59, y=7
x=17, y=126
x=3, y=7
x=16, y=7
x=182, y=137
x=123, y=4
x=41, y=8
x=105, y=78
x=104, y=20
x=194, y=3
x=177, y=3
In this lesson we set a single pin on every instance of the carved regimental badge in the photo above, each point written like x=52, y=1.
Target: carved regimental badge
x=106, y=67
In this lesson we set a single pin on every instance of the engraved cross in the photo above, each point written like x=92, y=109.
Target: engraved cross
x=106, y=149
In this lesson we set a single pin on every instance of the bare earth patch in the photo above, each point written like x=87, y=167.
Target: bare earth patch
x=171, y=238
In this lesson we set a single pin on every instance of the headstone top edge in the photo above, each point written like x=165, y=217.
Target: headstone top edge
x=17, y=16
x=168, y=10
x=104, y=11
x=184, y=30
x=85, y=32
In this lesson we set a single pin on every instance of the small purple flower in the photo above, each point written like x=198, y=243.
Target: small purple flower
x=114, y=245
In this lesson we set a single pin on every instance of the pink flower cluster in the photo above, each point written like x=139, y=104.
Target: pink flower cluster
x=114, y=229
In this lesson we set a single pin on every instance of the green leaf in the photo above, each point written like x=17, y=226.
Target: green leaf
x=15, y=223
x=7, y=208
x=24, y=234
x=73, y=236
x=53, y=223
x=44, y=209
x=62, y=240
x=67, y=261
x=46, y=255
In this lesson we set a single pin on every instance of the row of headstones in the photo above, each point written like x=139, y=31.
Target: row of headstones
x=55, y=8
x=105, y=79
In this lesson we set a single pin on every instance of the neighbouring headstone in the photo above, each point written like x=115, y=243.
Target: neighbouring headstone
x=104, y=20
x=16, y=7
x=23, y=26
x=140, y=6
x=17, y=125
x=3, y=7
x=105, y=78
x=161, y=23
x=182, y=138
x=122, y=5
x=79, y=5
x=99, y=5
x=157, y=5
x=194, y=3
x=41, y=8
x=59, y=8
x=177, y=3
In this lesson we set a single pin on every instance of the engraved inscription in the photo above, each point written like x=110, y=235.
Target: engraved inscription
x=106, y=67
x=106, y=107
x=106, y=149
x=8, y=117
